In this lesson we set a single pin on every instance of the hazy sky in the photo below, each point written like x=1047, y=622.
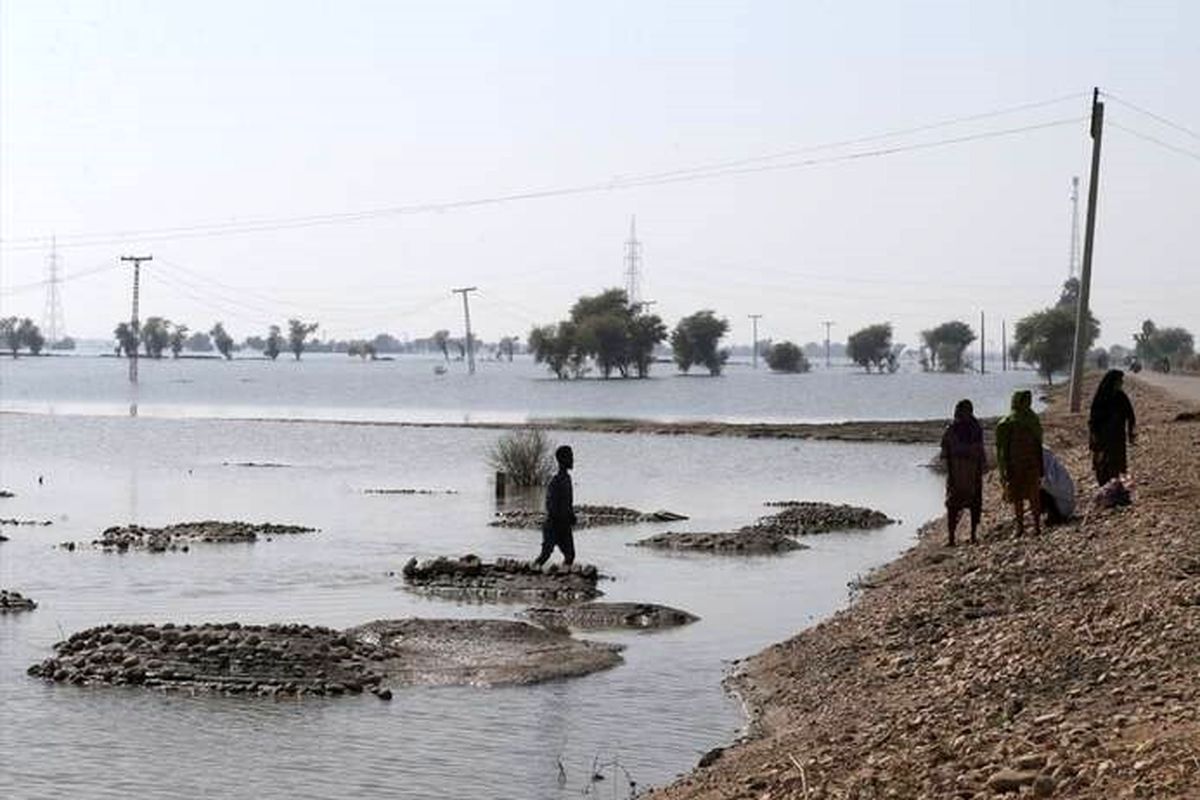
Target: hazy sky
x=135, y=116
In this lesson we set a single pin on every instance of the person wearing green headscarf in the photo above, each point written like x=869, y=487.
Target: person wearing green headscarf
x=1019, y=459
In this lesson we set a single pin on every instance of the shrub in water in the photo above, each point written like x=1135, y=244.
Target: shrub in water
x=524, y=456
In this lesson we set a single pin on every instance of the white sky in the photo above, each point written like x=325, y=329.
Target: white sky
x=119, y=116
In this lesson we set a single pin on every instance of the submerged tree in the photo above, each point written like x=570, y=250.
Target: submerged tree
x=273, y=345
x=947, y=343
x=127, y=339
x=442, y=340
x=17, y=333
x=696, y=340
x=298, y=332
x=872, y=347
x=155, y=336
x=222, y=340
x=1046, y=339
x=178, y=339
x=787, y=357
x=552, y=345
x=605, y=330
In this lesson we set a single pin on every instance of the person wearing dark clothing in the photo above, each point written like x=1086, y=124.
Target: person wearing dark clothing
x=560, y=511
x=1019, y=459
x=1110, y=420
x=962, y=450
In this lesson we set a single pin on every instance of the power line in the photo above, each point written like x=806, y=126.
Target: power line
x=25, y=287
x=702, y=172
x=1147, y=137
x=1152, y=115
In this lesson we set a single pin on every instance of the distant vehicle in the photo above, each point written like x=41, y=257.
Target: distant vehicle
x=439, y=369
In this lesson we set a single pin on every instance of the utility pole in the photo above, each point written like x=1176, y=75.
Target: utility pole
x=1004, y=345
x=1085, y=279
x=1073, y=266
x=754, y=350
x=133, y=318
x=467, y=317
x=982, y=346
x=828, y=324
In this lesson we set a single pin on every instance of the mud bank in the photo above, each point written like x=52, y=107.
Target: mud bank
x=1055, y=666
x=610, y=616
x=291, y=660
x=11, y=601
x=505, y=580
x=180, y=536
x=586, y=516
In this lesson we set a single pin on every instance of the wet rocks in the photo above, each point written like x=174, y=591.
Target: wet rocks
x=479, y=652
x=406, y=491
x=750, y=540
x=15, y=601
x=291, y=659
x=505, y=580
x=181, y=535
x=804, y=518
x=15, y=521
x=601, y=616
x=5, y=494
x=586, y=516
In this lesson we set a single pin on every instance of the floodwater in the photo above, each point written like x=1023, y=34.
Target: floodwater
x=655, y=714
x=332, y=386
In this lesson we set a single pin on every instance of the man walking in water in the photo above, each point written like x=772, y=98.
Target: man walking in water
x=560, y=511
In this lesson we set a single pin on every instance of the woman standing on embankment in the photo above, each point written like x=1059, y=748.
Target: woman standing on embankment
x=1110, y=418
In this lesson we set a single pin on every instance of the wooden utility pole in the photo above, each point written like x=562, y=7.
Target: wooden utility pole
x=754, y=348
x=1082, y=313
x=1004, y=345
x=467, y=318
x=133, y=317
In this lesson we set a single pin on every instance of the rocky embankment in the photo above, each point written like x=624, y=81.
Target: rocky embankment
x=181, y=536
x=610, y=616
x=504, y=580
x=586, y=516
x=290, y=660
x=15, y=601
x=774, y=533
x=1056, y=666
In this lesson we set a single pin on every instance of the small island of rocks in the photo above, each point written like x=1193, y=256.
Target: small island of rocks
x=180, y=536
x=504, y=580
x=586, y=516
x=607, y=616
x=15, y=601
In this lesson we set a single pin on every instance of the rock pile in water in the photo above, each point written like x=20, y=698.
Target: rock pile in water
x=15, y=601
x=803, y=518
x=586, y=516
x=505, y=579
x=746, y=541
x=601, y=616
x=223, y=657
x=15, y=521
x=181, y=535
x=291, y=660
x=5, y=494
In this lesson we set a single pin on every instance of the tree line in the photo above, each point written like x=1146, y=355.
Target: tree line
x=155, y=336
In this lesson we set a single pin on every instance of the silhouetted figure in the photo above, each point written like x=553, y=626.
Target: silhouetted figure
x=560, y=511
x=1019, y=459
x=1110, y=418
x=962, y=450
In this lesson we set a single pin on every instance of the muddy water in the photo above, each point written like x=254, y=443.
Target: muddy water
x=656, y=713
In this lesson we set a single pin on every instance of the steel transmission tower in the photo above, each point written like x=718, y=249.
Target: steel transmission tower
x=633, y=265
x=1073, y=268
x=52, y=315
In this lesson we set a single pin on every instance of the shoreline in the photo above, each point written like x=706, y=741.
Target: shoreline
x=1059, y=666
x=927, y=431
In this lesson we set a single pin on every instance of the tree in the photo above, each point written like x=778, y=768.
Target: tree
x=222, y=340
x=872, y=346
x=274, y=343
x=506, y=347
x=695, y=341
x=8, y=332
x=553, y=345
x=155, y=335
x=127, y=339
x=1046, y=339
x=178, y=339
x=30, y=336
x=646, y=331
x=1163, y=347
x=298, y=331
x=947, y=343
x=787, y=357
x=442, y=340
x=603, y=338
x=198, y=342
